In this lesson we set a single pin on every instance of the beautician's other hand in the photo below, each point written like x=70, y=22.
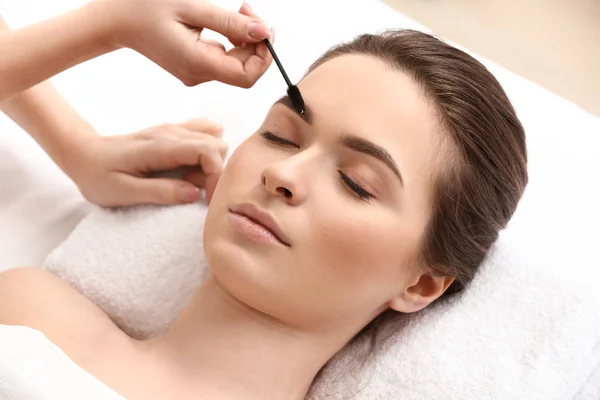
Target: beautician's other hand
x=169, y=33
x=113, y=171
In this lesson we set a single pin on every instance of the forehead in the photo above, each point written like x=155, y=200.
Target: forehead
x=369, y=98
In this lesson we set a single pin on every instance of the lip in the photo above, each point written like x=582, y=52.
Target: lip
x=260, y=217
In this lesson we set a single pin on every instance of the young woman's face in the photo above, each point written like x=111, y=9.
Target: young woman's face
x=349, y=186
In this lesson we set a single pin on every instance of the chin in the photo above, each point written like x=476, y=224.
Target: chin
x=240, y=273
x=249, y=272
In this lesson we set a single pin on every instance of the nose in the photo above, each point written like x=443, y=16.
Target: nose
x=285, y=179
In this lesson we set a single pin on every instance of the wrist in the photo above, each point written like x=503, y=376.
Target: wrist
x=112, y=23
x=71, y=149
x=53, y=124
x=104, y=23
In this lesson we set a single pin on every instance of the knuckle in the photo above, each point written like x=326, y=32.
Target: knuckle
x=165, y=141
x=193, y=155
x=164, y=128
x=247, y=81
x=194, y=74
x=167, y=134
x=202, y=121
x=145, y=136
x=207, y=153
x=188, y=82
x=242, y=81
x=229, y=21
x=216, y=146
x=221, y=144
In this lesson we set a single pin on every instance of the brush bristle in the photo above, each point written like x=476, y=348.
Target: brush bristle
x=296, y=98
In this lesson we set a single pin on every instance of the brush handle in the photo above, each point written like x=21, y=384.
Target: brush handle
x=272, y=51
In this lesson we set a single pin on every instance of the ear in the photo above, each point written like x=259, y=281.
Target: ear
x=423, y=292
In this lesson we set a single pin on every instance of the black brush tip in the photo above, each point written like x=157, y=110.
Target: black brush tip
x=296, y=98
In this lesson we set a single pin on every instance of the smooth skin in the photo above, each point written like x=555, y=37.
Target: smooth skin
x=269, y=316
x=113, y=171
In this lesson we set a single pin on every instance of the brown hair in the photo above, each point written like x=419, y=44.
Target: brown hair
x=485, y=172
x=484, y=161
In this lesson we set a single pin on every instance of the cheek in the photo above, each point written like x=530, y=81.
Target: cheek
x=245, y=166
x=365, y=251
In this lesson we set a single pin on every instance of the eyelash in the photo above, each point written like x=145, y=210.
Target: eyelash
x=361, y=193
x=357, y=190
x=278, y=140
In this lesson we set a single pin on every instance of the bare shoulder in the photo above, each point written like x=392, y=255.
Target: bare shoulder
x=37, y=299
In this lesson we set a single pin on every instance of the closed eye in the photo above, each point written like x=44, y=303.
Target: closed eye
x=356, y=188
x=278, y=140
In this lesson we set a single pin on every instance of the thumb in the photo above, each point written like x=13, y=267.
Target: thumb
x=159, y=191
x=233, y=25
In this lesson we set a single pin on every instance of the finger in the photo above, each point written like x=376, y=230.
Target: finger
x=240, y=66
x=167, y=154
x=213, y=43
x=211, y=162
x=193, y=131
x=196, y=177
x=247, y=49
x=204, y=125
x=211, y=185
x=204, y=153
x=217, y=143
x=158, y=191
x=255, y=60
x=231, y=24
x=245, y=9
x=242, y=53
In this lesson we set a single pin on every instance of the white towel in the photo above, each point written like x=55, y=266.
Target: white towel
x=32, y=368
x=139, y=265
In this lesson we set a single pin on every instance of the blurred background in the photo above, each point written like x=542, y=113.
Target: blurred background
x=554, y=43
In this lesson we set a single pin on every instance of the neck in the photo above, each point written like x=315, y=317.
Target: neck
x=232, y=351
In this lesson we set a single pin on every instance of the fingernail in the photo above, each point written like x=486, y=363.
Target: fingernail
x=188, y=194
x=257, y=30
x=248, y=5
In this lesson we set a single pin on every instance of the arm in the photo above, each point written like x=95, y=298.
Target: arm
x=47, y=117
x=37, y=299
x=33, y=54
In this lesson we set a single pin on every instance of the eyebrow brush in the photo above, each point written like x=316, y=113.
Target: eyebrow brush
x=292, y=91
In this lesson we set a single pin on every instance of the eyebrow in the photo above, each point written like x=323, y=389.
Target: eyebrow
x=350, y=141
x=371, y=149
x=286, y=101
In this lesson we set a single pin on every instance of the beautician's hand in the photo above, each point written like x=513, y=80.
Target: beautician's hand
x=113, y=170
x=169, y=33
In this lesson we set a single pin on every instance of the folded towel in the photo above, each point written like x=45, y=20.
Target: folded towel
x=32, y=368
x=139, y=265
